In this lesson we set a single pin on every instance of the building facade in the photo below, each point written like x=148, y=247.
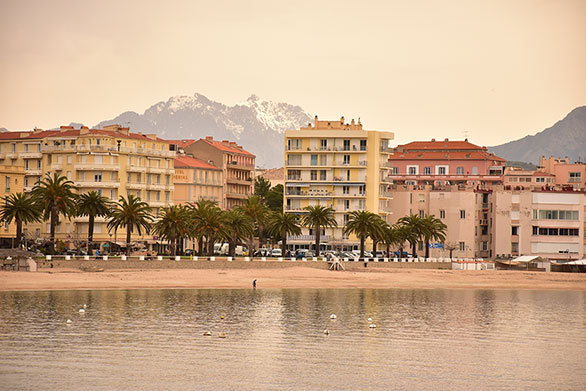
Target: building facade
x=338, y=165
x=112, y=161
x=445, y=162
x=236, y=163
x=197, y=180
x=11, y=181
x=566, y=174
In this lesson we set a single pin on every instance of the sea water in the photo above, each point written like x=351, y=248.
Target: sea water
x=274, y=339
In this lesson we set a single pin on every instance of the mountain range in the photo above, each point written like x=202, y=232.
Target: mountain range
x=256, y=124
x=566, y=137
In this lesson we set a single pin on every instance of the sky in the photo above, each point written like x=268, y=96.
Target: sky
x=493, y=71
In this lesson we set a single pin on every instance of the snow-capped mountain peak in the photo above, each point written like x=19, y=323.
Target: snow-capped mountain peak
x=249, y=122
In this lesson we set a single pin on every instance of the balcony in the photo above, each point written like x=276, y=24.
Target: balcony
x=87, y=184
x=134, y=168
x=238, y=166
x=86, y=219
x=247, y=182
x=158, y=204
x=387, y=179
x=156, y=170
x=31, y=155
x=94, y=167
x=33, y=171
x=11, y=155
x=155, y=186
x=237, y=195
x=575, y=180
x=136, y=186
x=294, y=178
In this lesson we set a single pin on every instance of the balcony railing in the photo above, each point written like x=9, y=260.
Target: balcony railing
x=309, y=237
x=108, y=184
x=94, y=167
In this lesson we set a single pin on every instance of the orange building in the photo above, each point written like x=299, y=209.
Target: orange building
x=196, y=180
x=566, y=174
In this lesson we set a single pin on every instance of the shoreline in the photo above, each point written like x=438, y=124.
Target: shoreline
x=297, y=277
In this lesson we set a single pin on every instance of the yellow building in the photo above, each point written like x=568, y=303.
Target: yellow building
x=11, y=181
x=112, y=161
x=197, y=180
x=338, y=165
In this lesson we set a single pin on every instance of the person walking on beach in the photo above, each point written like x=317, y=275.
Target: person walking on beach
x=254, y=284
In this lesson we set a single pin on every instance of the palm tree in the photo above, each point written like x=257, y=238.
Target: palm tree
x=173, y=226
x=318, y=217
x=55, y=196
x=197, y=214
x=283, y=224
x=131, y=213
x=434, y=229
x=389, y=237
x=21, y=208
x=236, y=226
x=262, y=188
x=93, y=205
x=417, y=227
x=254, y=208
x=363, y=224
x=404, y=234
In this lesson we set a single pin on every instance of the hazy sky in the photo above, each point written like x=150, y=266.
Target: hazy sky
x=498, y=69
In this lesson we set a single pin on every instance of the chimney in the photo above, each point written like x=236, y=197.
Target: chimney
x=342, y=120
x=446, y=140
x=210, y=138
x=433, y=140
x=352, y=122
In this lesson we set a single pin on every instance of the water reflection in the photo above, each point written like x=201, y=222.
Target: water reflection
x=425, y=339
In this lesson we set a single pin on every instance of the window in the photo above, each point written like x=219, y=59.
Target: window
x=323, y=160
x=540, y=180
x=347, y=175
x=167, y=196
x=474, y=170
x=441, y=171
x=98, y=159
x=426, y=170
x=362, y=189
x=313, y=175
x=412, y=170
x=575, y=177
x=361, y=204
x=394, y=171
x=514, y=230
x=514, y=247
x=363, y=145
x=13, y=147
x=129, y=178
x=462, y=214
x=294, y=144
x=346, y=204
x=26, y=147
x=346, y=145
x=314, y=160
x=69, y=175
x=421, y=197
x=346, y=160
x=138, y=177
x=421, y=213
x=462, y=246
x=323, y=144
x=484, y=246
x=69, y=159
x=322, y=175
x=460, y=170
x=98, y=177
x=545, y=214
x=112, y=194
x=442, y=214
x=345, y=189
x=7, y=183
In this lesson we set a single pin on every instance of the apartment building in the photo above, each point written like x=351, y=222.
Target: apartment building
x=566, y=174
x=236, y=163
x=196, y=180
x=549, y=223
x=445, y=162
x=517, y=178
x=338, y=165
x=11, y=181
x=112, y=161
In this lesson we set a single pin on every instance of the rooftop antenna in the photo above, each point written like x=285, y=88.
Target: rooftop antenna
x=466, y=133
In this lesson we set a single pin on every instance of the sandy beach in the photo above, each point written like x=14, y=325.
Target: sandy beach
x=290, y=277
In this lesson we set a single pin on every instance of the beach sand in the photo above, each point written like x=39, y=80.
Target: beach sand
x=290, y=277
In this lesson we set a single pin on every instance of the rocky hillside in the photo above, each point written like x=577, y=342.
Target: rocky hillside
x=566, y=138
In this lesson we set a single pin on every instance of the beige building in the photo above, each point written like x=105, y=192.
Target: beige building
x=338, y=165
x=112, y=161
x=11, y=181
x=566, y=173
x=196, y=180
x=236, y=163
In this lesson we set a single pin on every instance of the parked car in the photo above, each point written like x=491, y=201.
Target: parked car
x=405, y=254
x=276, y=252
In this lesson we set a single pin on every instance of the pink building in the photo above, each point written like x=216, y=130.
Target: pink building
x=566, y=174
x=445, y=162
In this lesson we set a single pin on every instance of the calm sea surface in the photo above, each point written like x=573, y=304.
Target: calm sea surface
x=424, y=340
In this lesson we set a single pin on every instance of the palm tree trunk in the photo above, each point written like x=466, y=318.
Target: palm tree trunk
x=317, y=240
x=200, y=246
x=232, y=247
x=18, y=232
x=414, y=252
x=53, y=226
x=128, y=236
x=374, y=242
x=426, y=248
x=90, y=231
x=401, y=252
x=284, y=245
x=388, y=251
x=362, y=246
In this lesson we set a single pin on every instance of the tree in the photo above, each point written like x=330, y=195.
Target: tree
x=257, y=212
x=404, y=234
x=451, y=246
x=92, y=204
x=55, y=196
x=318, y=217
x=198, y=222
x=173, y=226
x=434, y=229
x=131, y=213
x=236, y=227
x=282, y=224
x=275, y=198
x=21, y=208
x=261, y=188
x=363, y=224
x=417, y=228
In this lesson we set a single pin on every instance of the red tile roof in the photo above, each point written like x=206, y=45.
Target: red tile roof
x=181, y=143
x=190, y=162
x=233, y=147
x=439, y=145
x=445, y=155
x=69, y=131
x=13, y=135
